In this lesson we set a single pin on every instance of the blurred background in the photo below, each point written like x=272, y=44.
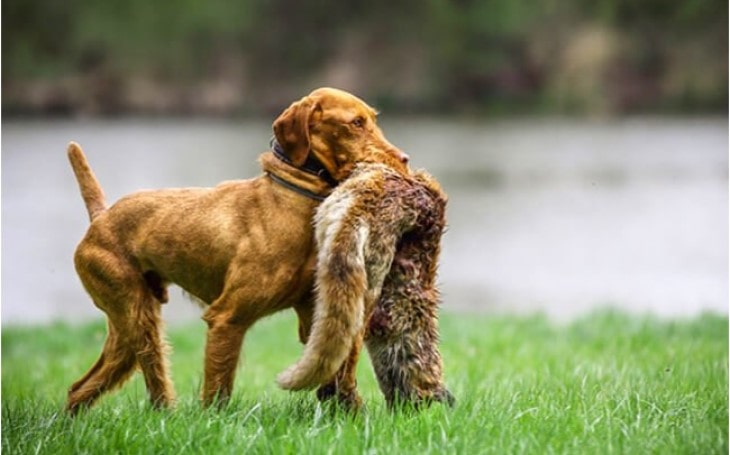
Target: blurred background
x=584, y=145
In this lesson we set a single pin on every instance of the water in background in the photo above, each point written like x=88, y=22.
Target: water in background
x=553, y=216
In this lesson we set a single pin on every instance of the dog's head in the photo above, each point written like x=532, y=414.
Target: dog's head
x=339, y=129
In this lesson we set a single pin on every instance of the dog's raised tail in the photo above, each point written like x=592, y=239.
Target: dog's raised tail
x=340, y=305
x=90, y=188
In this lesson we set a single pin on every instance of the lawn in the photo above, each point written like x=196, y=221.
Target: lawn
x=607, y=383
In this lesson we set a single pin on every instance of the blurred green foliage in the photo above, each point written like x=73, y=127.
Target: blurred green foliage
x=564, y=56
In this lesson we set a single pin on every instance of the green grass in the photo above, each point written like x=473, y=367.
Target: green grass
x=608, y=383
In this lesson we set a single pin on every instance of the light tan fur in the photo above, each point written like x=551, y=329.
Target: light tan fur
x=245, y=248
x=339, y=312
x=376, y=214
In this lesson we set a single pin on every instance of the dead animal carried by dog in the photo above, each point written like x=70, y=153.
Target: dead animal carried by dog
x=379, y=237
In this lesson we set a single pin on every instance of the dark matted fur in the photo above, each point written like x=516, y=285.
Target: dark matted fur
x=379, y=239
x=402, y=336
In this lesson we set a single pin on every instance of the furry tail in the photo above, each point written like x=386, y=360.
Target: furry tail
x=340, y=306
x=88, y=184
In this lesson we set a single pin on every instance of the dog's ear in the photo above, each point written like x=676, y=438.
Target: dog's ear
x=291, y=129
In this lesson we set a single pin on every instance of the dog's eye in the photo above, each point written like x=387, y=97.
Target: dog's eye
x=358, y=122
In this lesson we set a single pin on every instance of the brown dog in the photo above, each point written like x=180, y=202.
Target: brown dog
x=245, y=248
x=379, y=237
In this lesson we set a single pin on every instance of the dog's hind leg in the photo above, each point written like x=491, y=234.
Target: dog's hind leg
x=115, y=364
x=151, y=351
x=134, y=329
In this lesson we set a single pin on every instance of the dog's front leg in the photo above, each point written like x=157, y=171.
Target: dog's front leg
x=305, y=314
x=222, y=350
x=343, y=386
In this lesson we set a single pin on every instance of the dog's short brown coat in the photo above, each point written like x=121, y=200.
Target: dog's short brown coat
x=245, y=248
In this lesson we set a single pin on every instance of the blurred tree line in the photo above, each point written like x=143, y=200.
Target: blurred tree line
x=427, y=56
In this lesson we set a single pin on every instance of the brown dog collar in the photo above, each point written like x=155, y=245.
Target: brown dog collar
x=311, y=165
x=295, y=188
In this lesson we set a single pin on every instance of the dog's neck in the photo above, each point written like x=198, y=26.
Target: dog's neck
x=311, y=165
x=293, y=178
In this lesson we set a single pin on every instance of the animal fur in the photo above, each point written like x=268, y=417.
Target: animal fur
x=245, y=248
x=378, y=236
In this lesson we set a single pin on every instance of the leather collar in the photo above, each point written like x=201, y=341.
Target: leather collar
x=295, y=188
x=311, y=165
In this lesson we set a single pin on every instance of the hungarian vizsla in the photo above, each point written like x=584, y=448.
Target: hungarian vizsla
x=244, y=248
